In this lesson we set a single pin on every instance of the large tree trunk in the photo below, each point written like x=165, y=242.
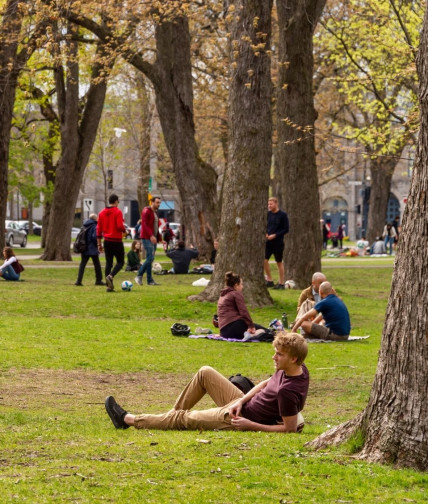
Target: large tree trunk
x=171, y=76
x=78, y=132
x=10, y=29
x=381, y=172
x=195, y=179
x=144, y=141
x=49, y=168
x=246, y=184
x=297, y=181
x=395, y=422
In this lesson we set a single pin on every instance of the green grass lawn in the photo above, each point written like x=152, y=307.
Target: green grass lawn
x=64, y=348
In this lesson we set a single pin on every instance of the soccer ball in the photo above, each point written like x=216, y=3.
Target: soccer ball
x=126, y=285
x=290, y=284
x=156, y=267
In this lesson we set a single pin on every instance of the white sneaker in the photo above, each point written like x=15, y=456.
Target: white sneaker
x=139, y=280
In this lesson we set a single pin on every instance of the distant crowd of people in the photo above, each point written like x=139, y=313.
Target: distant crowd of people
x=383, y=244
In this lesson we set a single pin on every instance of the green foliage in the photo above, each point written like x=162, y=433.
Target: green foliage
x=366, y=51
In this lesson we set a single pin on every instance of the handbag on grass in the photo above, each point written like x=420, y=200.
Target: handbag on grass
x=17, y=266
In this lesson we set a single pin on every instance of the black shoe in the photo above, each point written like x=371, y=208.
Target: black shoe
x=269, y=283
x=79, y=284
x=110, y=284
x=153, y=283
x=100, y=283
x=116, y=413
x=279, y=286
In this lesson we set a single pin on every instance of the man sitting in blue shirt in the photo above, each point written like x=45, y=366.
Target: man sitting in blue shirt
x=332, y=309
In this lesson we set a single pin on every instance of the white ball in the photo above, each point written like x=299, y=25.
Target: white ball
x=126, y=285
x=156, y=267
x=290, y=284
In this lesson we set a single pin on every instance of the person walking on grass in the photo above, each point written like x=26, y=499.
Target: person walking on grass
x=91, y=252
x=149, y=238
x=274, y=405
x=277, y=228
x=111, y=227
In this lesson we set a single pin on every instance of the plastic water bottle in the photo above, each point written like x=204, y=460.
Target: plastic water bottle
x=284, y=319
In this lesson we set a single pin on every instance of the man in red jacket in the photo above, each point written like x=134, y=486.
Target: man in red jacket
x=149, y=237
x=112, y=228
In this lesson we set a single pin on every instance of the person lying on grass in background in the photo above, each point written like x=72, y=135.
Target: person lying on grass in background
x=274, y=405
x=332, y=311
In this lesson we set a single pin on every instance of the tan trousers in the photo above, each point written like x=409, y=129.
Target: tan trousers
x=206, y=381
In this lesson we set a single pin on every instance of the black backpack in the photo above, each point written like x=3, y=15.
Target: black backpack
x=242, y=382
x=80, y=244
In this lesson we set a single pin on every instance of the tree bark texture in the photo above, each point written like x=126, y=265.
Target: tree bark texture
x=78, y=131
x=246, y=184
x=171, y=76
x=10, y=29
x=395, y=422
x=196, y=180
x=381, y=172
x=296, y=184
x=144, y=141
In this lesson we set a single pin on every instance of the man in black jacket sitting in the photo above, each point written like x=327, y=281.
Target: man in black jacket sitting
x=181, y=257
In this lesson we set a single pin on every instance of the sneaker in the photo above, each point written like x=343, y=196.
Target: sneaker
x=79, y=284
x=100, y=283
x=279, y=286
x=116, y=413
x=269, y=283
x=153, y=283
x=139, y=280
x=110, y=284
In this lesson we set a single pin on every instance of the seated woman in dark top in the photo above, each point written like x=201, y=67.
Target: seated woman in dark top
x=233, y=317
x=134, y=256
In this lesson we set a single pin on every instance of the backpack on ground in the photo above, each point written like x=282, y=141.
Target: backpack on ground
x=242, y=382
x=80, y=244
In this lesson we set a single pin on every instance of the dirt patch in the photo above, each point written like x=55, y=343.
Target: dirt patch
x=36, y=389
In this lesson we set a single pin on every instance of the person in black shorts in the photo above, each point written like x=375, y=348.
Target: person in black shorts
x=277, y=228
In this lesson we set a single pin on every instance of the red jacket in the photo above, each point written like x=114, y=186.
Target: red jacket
x=110, y=224
x=148, y=223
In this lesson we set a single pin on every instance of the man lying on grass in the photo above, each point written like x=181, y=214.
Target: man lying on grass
x=274, y=405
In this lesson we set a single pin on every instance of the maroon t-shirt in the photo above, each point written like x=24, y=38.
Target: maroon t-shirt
x=283, y=396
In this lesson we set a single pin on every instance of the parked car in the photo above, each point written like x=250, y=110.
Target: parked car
x=14, y=234
x=25, y=225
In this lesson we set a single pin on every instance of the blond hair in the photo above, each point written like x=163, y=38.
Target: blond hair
x=292, y=343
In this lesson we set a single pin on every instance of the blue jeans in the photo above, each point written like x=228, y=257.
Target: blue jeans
x=10, y=274
x=150, y=248
x=390, y=240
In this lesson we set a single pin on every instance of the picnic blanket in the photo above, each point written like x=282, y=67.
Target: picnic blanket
x=231, y=340
x=351, y=338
